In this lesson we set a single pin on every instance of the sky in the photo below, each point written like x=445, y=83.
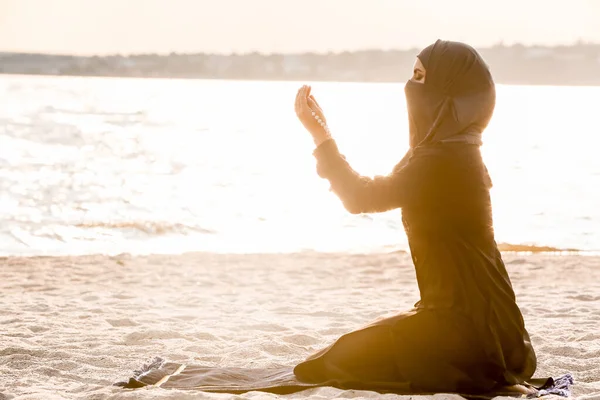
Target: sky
x=225, y=26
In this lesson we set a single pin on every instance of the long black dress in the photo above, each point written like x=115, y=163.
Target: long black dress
x=466, y=334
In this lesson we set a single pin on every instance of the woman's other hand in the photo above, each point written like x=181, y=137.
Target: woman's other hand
x=311, y=115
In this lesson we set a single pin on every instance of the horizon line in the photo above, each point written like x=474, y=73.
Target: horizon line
x=500, y=44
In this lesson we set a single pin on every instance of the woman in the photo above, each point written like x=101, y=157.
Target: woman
x=466, y=334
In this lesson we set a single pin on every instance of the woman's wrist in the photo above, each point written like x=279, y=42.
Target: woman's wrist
x=322, y=134
x=319, y=139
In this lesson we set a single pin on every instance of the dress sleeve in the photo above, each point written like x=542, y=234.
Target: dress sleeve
x=361, y=194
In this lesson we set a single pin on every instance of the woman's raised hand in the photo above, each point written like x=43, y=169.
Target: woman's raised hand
x=311, y=115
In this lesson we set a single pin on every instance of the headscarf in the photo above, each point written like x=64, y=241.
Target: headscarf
x=457, y=100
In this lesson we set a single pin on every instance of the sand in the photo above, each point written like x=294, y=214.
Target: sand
x=72, y=326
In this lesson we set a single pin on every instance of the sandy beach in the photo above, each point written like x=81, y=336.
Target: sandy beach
x=73, y=326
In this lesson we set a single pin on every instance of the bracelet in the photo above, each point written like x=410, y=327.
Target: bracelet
x=322, y=123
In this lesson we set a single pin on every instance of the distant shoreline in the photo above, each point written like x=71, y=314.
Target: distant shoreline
x=575, y=65
x=266, y=79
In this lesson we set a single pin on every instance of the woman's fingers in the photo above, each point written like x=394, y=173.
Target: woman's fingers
x=312, y=102
x=316, y=102
x=297, y=104
x=313, y=106
x=301, y=101
x=303, y=108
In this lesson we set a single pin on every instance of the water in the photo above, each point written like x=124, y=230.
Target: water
x=97, y=165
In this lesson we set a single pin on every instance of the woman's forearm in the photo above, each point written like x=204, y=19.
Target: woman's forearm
x=359, y=194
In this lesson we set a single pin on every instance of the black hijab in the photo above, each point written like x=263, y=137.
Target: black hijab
x=457, y=100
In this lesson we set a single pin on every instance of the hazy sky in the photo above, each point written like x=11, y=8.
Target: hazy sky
x=224, y=26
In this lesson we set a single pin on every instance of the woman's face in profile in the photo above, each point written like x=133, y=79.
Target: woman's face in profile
x=419, y=72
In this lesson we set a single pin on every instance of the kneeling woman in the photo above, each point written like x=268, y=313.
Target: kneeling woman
x=466, y=334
